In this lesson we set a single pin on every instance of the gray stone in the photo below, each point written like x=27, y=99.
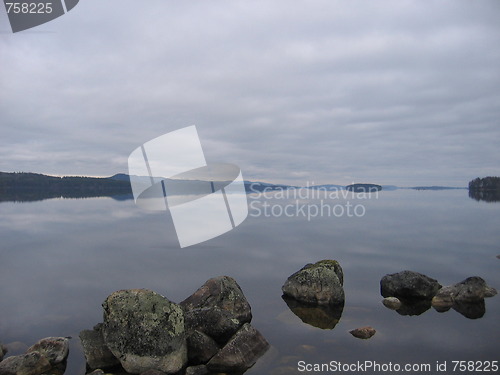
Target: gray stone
x=319, y=283
x=3, y=351
x=32, y=363
x=392, y=303
x=471, y=290
x=97, y=372
x=219, y=324
x=96, y=353
x=144, y=330
x=363, y=332
x=55, y=349
x=197, y=370
x=201, y=348
x=224, y=293
x=409, y=284
x=241, y=352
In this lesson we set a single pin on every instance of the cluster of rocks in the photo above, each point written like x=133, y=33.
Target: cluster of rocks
x=145, y=333
x=47, y=356
x=412, y=293
x=315, y=293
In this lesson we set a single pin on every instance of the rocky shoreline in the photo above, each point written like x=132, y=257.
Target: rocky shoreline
x=210, y=332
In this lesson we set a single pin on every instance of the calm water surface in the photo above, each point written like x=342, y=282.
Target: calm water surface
x=60, y=258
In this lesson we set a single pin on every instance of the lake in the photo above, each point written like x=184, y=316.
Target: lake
x=60, y=259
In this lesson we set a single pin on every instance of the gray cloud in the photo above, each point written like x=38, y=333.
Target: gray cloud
x=394, y=92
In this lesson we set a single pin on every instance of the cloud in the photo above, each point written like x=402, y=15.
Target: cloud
x=399, y=92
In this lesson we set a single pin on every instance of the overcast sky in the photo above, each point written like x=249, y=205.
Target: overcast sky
x=391, y=92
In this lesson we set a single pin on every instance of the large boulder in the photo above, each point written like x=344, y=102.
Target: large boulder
x=144, y=330
x=241, y=352
x=409, y=285
x=319, y=283
x=33, y=363
x=224, y=293
x=97, y=354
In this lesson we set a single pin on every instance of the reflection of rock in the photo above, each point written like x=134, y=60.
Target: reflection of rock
x=319, y=283
x=49, y=354
x=409, y=284
x=363, y=332
x=144, y=330
x=471, y=310
x=320, y=316
x=241, y=352
x=392, y=303
x=413, y=306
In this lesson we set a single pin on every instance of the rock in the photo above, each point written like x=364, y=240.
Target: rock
x=320, y=316
x=471, y=290
x=241, y=352
x=95, y=350
x=197, y=370
x=97, y=372
x=153, y=372
x=319, y=283
x=55, y=349
x=3, y=351
x=409, y=284
x=363, y=332
x=33, y=363
x=144, y=330
x=219, y=324
x=201, y=348
x=224, y=293
x=392, y=303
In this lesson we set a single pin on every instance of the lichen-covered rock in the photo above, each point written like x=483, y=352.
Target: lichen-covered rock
x=201, y=348
x=319, y=283
x=392, y=303
x=219, y=324
x=363, y=332
x=55, y=349
x=224, y=293
x=197, y=370
x=144, y=330
x=33, y=363
x=97, y=354
x=241, y=352
x=409, y=284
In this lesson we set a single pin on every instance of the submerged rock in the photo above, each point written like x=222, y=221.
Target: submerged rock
x=97, y=354
x=320, y=283
x=409, y=284
x=33, y=363
x=363, y=332
x=320, y=316
x=221, y=292
x=392, y=303
x=144, y=331
x=241, y=352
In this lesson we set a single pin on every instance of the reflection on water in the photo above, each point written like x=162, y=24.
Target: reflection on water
x=60, y=258
x=485, y=195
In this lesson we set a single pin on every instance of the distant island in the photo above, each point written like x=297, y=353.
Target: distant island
x=485, y=189
x=363, y=188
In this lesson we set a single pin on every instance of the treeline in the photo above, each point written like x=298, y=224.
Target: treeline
x=485, y=189
x=22, y=186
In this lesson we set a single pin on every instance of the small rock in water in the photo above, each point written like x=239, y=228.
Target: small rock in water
x=392, y=303
x=55, y=349
x=363, y=332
